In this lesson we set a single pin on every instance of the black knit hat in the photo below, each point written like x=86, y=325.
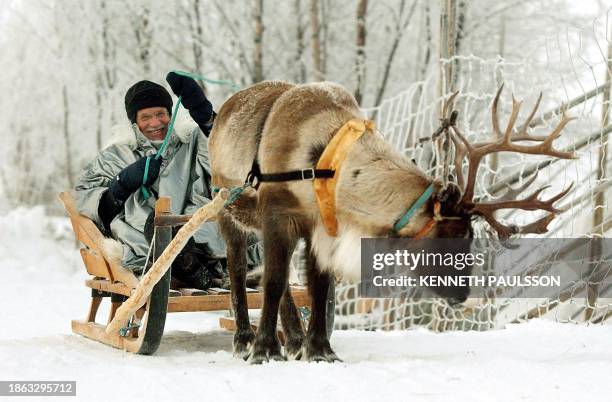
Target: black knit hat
x=146, y=94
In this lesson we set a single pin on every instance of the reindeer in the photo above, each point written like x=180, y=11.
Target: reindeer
x=319, y=171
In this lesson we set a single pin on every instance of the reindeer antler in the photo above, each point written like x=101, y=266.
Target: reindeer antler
x=506, y=141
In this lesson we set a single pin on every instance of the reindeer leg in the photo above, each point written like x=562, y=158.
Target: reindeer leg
x=292, y=326
x=236, y=240
x=316, y=345
x=279, y=243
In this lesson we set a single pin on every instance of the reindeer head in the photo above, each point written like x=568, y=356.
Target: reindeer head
x=378, y=184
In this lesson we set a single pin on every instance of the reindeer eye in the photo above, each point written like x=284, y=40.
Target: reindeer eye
x=356, y=173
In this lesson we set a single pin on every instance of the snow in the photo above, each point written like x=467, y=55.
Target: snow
x=42, y=290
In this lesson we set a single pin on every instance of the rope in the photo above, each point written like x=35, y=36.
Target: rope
x=161, y=150
x=143, y=188
x=200, y=77
x=124, y=330
x=164, y=144
x=234, y=193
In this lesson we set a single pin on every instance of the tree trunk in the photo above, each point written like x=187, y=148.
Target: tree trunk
x=67, y=137
x=108, y=57
x=410, y=138
x=459, y=28
x=448, y=14
x=324, y=29
x=143, y=40
x=315, y=40
x=258, y=41
x=445, y=82
x=360, y=59
x=399, y=33
x=99, y=113
x=197, y=40
x=300, y=71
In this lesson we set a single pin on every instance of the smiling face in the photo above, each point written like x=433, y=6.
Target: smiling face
x=153, y=122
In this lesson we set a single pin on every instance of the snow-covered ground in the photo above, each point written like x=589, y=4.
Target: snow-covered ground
x=42, y=290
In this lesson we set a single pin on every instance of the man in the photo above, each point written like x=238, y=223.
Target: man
x=109, y=189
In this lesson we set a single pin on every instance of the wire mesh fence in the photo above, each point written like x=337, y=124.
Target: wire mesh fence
x=572, y=70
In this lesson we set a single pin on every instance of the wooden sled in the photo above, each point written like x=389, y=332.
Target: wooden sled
x=111, y=280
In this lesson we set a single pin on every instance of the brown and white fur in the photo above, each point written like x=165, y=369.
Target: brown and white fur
x=286, y=127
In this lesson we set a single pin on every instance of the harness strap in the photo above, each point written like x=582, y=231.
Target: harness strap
x=403, y=220
x=327, y=167
x=255, y=177
x=431, y=223
x=425, y=229
x=332, y=158
x=304, y=174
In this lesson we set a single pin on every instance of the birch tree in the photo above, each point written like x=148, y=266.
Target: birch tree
x=360, y=59
x=258, y=74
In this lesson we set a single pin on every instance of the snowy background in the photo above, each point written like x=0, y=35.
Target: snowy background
x=66, y=65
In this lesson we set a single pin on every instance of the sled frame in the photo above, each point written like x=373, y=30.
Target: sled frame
x=111, y=280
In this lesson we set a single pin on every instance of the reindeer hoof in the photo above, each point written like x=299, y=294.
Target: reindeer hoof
x=319, y=350
x=243, y=341
x=264, y=351
x=293, y=348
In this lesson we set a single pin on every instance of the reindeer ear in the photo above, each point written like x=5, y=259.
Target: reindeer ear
x=449, y=195
x=450, y=199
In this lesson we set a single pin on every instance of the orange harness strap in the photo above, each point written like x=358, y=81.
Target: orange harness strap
x=431, y=223
x=332, y=158
x=334, y=154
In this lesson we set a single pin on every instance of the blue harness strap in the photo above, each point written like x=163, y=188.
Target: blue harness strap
x=403, y=221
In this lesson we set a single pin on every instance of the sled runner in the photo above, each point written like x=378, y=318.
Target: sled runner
x=144, y=331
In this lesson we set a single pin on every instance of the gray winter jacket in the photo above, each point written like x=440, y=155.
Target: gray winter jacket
x=184, y=176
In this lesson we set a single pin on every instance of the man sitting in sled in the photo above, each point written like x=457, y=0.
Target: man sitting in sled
x=112, y=193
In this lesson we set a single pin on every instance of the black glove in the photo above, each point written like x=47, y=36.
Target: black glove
x=130, y=178
x=193, y=99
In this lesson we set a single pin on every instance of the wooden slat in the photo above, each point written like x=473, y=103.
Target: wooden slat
x=93, y=308
x=123, y=275
x=95, y=331
x=103, y=284
x=113, y=310
x=95, y=264
x=89, y=234
x=223, y=302
x=198, y=303
x=79, y=222
x=300, y=297
x=163, y=206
